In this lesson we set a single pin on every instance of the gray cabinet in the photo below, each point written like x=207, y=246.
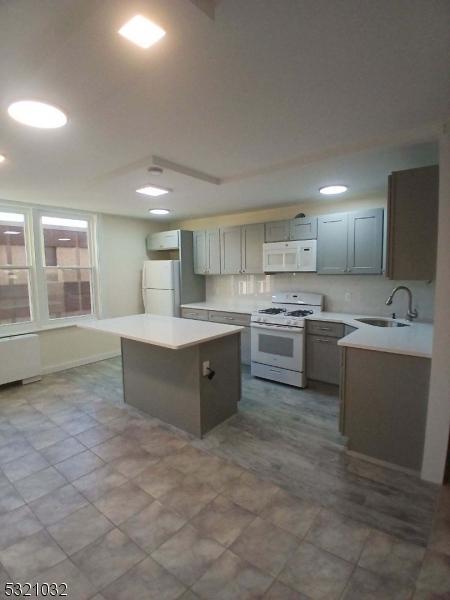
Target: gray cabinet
x=207, y=252
x=198, y=314
x=365, y=241
x=252, y=239
x=413, y=200
x=164, y=240
x=350, y=243
x=230, y=250
x=303, y=228
x=322, y=351
x=277, y=231
x=332, y=244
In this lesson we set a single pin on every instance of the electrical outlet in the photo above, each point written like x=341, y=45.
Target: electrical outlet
x=205, y=368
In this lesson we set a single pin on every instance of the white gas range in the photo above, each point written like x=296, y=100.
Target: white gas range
x=278, y=337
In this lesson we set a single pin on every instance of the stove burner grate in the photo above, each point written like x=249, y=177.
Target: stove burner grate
x=300, y=313
x=272, y=311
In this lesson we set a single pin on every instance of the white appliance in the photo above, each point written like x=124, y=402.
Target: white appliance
x=279, y=257
x=278, y=337
x=161, y=287
x=20, y=358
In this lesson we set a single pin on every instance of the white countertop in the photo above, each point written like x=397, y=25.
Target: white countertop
x=414, y=340
x=167, y=332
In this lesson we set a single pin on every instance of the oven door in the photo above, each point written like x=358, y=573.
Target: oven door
x=278, y=346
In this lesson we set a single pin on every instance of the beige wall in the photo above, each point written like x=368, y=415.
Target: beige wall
x=121, y=250
x=344, y=293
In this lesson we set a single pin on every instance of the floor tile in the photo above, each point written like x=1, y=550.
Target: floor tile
x=108, y=558
x=97, y=483
x=148, y=580
x=279, y=591
x=187, y=554
x=161, y=443
x=217, y=472
x=188, y=498
x=16, y=525
x=230, y=578
x=133, y=464
x=9, y=496
x=79, y=465
x=152, y=526
x=435, y=574
x=189, y=595
x=290, y=513
x=79, y=529
x=25, y=465
x=123, y=502
x=58, y=504
x=265, y=546
x=440, y=534
x=250, y=492
x=31, y=555
x=61, y=450
x=40, y=484
x=79, y=587
x=114, y=448
x=316, y=573
x=387, y=555
x=338, y=534
x=158, y=480
x=96, y=435
x=14, y=450
x=364, y=585
x=79, y=424
x=46, y=436
x=222, y=520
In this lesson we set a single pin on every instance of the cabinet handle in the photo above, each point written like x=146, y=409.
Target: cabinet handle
x=322, y=341
x=324, y=328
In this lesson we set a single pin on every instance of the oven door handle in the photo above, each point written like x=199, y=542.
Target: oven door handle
x=274, y=328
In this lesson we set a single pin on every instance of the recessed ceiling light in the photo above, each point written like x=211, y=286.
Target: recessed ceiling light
x=12, y=232
x=2, y=158
x=329, y=190
x=142, y=31
x=63, y=239
x=159, y=211
x=152, y=190
x=37, y=114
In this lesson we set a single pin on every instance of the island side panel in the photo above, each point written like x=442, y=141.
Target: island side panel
x=221, y=394
x=385, y=401
x=163, y=383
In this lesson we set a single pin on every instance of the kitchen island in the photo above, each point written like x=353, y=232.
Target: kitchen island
x=186, y=373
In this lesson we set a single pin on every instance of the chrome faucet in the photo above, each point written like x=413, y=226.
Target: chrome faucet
x=412, y=312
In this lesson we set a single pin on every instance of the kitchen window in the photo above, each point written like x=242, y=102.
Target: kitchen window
x=48, y=269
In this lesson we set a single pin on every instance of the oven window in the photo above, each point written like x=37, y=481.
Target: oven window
x=274, y=344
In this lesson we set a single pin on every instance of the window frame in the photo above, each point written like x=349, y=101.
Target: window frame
x=34, y=242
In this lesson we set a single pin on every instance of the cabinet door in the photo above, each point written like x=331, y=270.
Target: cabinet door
x=230, y=250
x=164, y=240
x=332, y=244
x=277, y=231
x=246, y=346
x=304, y=228
x=322, y=359
x=252, y=248
x=213, y=252
x=200, y=252
x=365, y=241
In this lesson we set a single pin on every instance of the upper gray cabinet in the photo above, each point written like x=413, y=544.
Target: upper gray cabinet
x=252, y=239
x=332, y=244
x=412, y=223
x=365, y=241
x=303, y=228
x=207, y=252
x=350, y=243
x=230, y=250
x=164, y=240
x=277, y=231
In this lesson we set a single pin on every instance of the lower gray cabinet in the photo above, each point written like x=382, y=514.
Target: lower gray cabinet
x=322, y=359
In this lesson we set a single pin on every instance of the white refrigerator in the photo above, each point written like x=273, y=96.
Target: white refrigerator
x=161, y=287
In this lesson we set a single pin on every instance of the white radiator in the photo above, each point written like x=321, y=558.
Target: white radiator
x=20, y=358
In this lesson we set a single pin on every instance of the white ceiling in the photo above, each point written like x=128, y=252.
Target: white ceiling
x=275, y=97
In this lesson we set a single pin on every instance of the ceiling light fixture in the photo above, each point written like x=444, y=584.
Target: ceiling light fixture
x=142, y=32
x=2, y=158
x=159, y=211
x=12, y=232
x=152, y=190
x=37, y=114
x=330, y=190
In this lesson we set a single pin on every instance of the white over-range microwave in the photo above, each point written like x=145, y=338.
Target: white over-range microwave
x=288, y=257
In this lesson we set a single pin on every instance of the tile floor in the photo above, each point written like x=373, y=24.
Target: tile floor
x=121, y=507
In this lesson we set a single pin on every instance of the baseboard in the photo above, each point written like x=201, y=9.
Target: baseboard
x=79, y=362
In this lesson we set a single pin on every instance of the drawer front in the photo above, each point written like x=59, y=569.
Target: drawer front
x=194, y=313
x=326, y=328
x=229, y=318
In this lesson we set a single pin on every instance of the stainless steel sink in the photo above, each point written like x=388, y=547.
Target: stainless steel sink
x=382, y=322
